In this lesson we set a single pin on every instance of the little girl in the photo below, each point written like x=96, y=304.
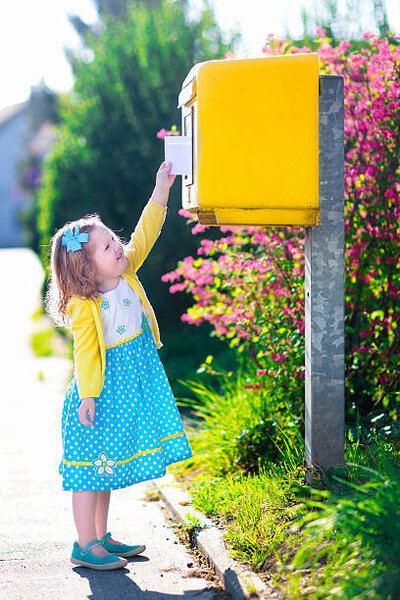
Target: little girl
x=134, y=428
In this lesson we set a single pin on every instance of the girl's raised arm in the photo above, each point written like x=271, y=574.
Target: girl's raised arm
x=146, y=233
x=151, y=220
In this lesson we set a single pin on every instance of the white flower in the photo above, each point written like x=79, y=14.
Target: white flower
x=104, y=464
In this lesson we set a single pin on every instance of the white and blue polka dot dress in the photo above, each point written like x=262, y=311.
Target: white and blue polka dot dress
x=137, y=428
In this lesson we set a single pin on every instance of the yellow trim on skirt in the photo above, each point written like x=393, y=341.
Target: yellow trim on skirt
x=85, y=464
x=125, y=340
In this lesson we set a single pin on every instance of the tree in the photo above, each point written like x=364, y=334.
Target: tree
x=107, y=152
x=348, y=24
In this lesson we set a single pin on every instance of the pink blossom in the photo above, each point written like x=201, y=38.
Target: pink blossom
x=185, y=213
x=199, y=229
x=162, y=133
x=177, y=287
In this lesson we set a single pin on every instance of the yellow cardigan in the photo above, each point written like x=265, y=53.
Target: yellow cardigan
x=84, y=313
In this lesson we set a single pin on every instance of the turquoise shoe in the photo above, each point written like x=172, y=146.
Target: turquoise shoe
x=121, y=549
x=84, y=558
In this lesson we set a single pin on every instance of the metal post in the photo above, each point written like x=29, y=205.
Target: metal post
x=324, y=292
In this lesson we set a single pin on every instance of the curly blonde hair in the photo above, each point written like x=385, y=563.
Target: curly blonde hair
x=71, y=273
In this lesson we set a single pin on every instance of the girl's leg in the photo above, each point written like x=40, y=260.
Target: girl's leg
x=84, y=509
x=103, y=504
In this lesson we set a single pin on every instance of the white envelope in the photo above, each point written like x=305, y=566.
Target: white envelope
x=178, y=151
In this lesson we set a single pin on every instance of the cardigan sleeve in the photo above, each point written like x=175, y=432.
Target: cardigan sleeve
x=145, y=234
x=86, y=348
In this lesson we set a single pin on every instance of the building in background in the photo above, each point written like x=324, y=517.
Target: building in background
x=14, y=132
x=26, y=137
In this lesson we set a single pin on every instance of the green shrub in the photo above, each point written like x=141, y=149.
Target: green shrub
x=42, y=342
x=257, y=445
x=242, y=429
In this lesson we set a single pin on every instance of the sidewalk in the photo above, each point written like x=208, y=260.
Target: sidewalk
x=36, y=522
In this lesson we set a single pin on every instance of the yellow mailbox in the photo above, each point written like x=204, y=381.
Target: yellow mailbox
x=254, y=130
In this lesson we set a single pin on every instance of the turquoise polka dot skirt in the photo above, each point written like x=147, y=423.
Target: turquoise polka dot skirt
x=137, y=428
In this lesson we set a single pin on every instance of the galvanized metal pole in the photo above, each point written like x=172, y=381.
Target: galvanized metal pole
x=324, y=292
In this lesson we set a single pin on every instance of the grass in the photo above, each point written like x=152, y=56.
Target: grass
x=47, y=339
x=339, y=538
x=42, y=342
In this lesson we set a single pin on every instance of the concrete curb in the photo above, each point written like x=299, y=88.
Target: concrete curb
x=240, y=583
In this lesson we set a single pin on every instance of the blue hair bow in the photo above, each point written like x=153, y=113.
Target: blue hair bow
x=73, y=240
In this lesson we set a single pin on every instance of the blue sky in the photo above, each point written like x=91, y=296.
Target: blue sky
x=33, y=34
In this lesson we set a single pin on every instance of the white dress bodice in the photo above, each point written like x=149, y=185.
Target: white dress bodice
x=121, y=313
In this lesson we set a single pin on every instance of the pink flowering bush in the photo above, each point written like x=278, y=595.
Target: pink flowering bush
x=248, y=284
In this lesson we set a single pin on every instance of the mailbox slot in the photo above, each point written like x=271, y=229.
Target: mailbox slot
x=188, y=131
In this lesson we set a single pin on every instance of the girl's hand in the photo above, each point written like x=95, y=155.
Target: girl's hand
x=163, y=179
x=86, y=405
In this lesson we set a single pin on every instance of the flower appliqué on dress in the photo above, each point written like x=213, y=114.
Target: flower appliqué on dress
x=126, y=302
x=104, y=464
x=105, y=304
x=121, y=329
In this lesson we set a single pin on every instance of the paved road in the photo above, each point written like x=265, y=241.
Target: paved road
x=36, y=522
